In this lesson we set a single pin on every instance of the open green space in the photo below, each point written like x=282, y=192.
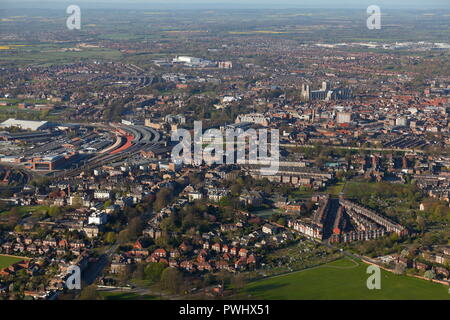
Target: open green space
x=6, y=261
x=53, y=56
x=336, y=189
x=108, y=295
x=342, y=279
x=27, y=209
x=266, y=213
x=301, y=194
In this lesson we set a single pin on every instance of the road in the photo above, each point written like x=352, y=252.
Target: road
x=95, y=269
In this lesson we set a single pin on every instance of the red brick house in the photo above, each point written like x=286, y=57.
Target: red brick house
x=240, y=264
x=216, y=247
x=138, y=245
x=63, y=243
x=243, y=252
x=152, y=258
x=187, y=265
x=222, y=265
x=160, y=253
x=185, y=247
x=251, y=259
x=204, y=266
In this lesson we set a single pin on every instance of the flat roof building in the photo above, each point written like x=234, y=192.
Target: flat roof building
x=25, y=124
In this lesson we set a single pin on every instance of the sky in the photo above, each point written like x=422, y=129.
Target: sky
x=234, y=4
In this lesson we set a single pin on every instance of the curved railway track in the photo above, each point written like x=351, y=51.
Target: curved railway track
x=143, y=138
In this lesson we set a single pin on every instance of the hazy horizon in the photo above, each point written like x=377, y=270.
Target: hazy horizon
x=232, y=4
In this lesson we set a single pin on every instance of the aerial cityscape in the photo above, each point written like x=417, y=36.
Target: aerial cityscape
x=224, y=151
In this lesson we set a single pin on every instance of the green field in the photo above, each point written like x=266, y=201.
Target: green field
x=6, y=261
x=27, y=209
x=266, y=213
x=335, y=190
x=342, y=280
x=52, y=55
x=107, y=295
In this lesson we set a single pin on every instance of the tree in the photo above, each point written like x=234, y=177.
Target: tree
x=110, y=237
x=134, y=228
x=153, y=271
x=171, y=280
x=420, y=223
x=404, y=253
x=13, y=217
x=90, y=293
x=281, y=221
x=429, y=274
x=236, y=189
x=124, y=275
x=54, y=211
x=239, y=281
x=163, y=198
x=123, y=236
x=139, y=272
x=224, y=277
x=106, y=204
x=399, y=269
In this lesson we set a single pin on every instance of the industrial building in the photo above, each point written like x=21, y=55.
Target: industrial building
x=193, y=61
x=48, y=163
x=25, y=124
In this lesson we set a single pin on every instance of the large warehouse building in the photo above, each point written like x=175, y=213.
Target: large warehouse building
x=25, y=124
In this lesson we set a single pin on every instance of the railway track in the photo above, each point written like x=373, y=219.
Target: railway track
x=145, y=138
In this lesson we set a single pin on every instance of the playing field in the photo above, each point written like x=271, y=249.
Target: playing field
x=343, y=279
x=6, y=261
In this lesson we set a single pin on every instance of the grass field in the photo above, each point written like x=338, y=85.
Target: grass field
x=343, y=280
x=126, y=296
x=53, y=55
x=301, y=194
x=336, y=189
x=266, y=213
x=6, y=261
x=27, y=209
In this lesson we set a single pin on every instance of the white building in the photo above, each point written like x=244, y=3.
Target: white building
x=102, y=194
x=192, y=61
x=269, y=229
x=256, y=118
x=25, y=124
x=344, y=117
x=401, y=122
x=98, y=218
x=194, y=195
